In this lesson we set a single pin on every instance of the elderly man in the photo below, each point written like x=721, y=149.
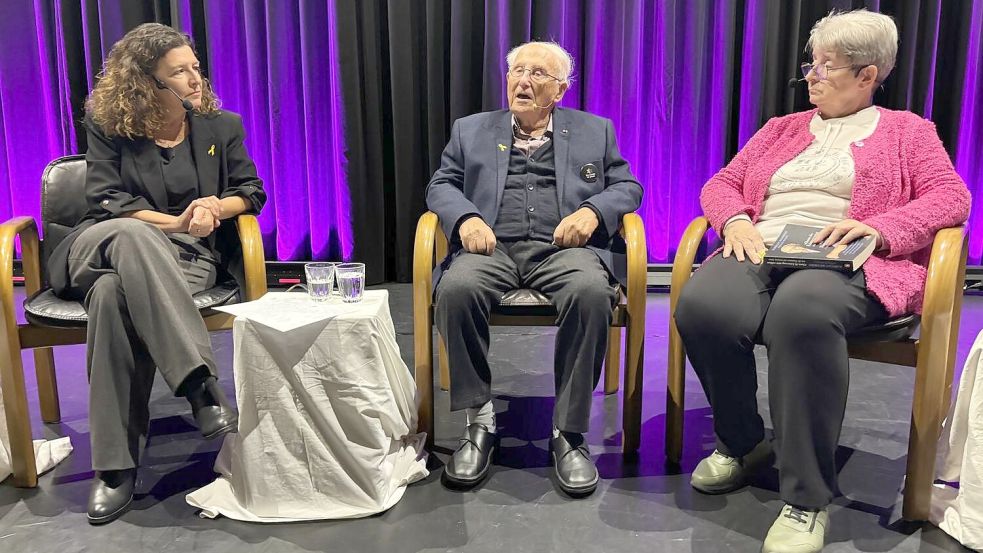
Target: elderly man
x=530, y=197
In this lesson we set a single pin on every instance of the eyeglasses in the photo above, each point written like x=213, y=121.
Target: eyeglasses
x=537, y=75
x=822, y=71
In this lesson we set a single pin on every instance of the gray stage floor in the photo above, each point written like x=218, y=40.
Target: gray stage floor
x=639, y=506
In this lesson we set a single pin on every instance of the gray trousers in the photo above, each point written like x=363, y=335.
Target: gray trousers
x=803, y=318
x=580, y=288
x=141, y=316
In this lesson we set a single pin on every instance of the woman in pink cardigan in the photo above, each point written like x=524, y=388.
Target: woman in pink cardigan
x=855, y=170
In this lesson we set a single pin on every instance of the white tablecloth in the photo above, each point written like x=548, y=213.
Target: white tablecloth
x=47, y=453
x=958, y=508
x=327, y=414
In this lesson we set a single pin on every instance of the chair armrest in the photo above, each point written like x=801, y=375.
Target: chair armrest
x=942, y=302
x=633, y=232
x=946, y=271
x=424, y=248
x=27, y=229
x=682, y=263
x=254, y=262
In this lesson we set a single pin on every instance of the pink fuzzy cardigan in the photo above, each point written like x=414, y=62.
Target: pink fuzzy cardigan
x=905, y=188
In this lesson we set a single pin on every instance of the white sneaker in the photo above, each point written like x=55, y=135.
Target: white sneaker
x=721, y=473
x=797, y=531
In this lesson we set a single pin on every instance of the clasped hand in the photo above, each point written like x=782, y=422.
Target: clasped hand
x=201, y=217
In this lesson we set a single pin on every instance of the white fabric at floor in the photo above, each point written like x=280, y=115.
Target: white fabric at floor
x=48, y=453
x=327, y=414
x=958, y=509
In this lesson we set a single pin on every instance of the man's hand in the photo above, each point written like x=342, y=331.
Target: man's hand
x=576, y=229
x=846, y=231
x=741, y=238
x=477, y=237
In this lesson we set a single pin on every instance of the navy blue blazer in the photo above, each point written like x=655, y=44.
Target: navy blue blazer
x=473, y=167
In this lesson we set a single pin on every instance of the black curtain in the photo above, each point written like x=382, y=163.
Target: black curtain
x=91, y=27
x=409, y=69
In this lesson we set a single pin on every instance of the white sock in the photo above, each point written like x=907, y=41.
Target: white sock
x=556, y=432
x=484, y=415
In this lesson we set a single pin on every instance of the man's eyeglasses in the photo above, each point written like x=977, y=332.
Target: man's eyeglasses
x=822, y=71
x=537, y=75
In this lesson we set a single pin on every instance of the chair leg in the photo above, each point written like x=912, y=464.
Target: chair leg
x=933, y=384
x=675, y=394
x=44, y=368
x=23, y=463
x=632, y=409
x=445, y=371
x=612, y=363
x=423, y=372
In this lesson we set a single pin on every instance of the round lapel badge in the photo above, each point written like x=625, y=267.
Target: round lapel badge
x=588, y=172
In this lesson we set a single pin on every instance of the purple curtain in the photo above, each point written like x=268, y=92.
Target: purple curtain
x=35, y=110
x=347, y=104
x=276, y=64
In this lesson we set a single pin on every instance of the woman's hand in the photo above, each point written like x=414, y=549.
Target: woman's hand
x=202, y=222
x=195, y=220
x=846, y=231
x=212, y=204
x=741, y=238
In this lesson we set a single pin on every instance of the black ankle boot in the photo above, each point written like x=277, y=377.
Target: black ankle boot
x=212, y=412
x=111, y=494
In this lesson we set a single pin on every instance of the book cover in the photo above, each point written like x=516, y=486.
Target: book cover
x=794, y=248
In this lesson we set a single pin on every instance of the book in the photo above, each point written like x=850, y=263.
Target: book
x=794, y=248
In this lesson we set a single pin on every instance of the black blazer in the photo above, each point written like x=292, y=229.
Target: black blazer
x=124, y=175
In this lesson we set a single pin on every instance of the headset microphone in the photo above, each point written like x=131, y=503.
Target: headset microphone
x=186, y=104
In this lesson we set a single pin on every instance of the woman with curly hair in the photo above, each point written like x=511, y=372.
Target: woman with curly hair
x=164, y=168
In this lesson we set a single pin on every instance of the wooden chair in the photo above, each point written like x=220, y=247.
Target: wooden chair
x=933, y=355
x=52, y=321
x=526, y=307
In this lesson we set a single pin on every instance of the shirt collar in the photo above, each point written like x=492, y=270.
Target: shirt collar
x=861, y=119
x=518, y=133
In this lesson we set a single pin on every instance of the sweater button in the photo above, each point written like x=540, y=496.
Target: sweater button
x=531, y=209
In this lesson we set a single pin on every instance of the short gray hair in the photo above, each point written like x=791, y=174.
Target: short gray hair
x=562, y=57
x=867, y=38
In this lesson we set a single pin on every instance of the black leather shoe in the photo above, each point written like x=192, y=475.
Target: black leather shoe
x=111, y=495
x=212, y=412
x=470, y=463
x=574, y=469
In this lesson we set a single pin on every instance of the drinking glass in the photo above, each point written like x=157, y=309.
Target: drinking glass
x=351, y=281
x=320, y=280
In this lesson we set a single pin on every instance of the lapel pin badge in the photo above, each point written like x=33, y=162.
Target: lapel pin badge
x=501, y=147
x=211, y=151
x=588, y=172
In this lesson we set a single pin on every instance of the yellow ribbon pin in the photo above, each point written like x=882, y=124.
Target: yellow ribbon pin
x=501, y=147
x=211, y=151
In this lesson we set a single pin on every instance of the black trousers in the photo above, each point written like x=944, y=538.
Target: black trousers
x=577, y=283
x=803, y=318
x=141, y=317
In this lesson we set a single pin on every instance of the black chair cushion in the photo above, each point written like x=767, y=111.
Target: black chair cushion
x=47, y=309
x=894, y=330
x=529, y=303
x=63, y=202
x=525, y=301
